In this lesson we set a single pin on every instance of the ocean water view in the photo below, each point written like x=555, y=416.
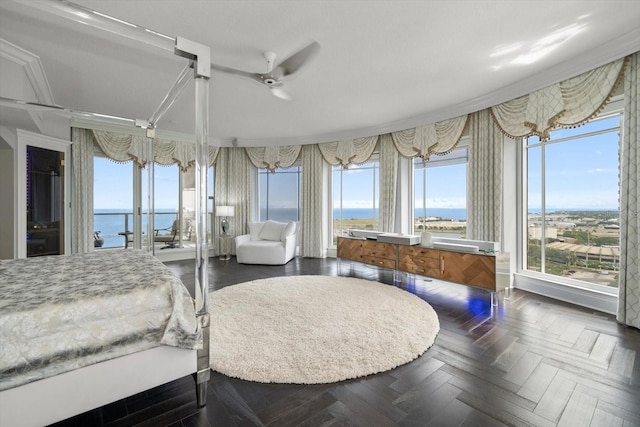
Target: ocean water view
x=110, y=222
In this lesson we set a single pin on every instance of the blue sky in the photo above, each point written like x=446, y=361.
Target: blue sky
x=581, y=173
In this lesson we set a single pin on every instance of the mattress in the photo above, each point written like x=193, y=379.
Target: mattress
x=59, y=313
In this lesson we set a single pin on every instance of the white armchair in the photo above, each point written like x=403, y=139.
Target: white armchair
x=270, y=243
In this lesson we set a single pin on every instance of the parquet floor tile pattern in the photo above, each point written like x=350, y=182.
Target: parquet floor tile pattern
x=531, y=361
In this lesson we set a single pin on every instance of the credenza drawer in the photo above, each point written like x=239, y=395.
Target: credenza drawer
x=418, y=251
x=380, y=262
x=420, y=269
x=421, y=262
x=379, y=250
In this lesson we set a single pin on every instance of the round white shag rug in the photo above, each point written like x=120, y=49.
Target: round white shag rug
x=316, y=329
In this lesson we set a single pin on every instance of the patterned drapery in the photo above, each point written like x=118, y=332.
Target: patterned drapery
x=436, y=138
x=312, y=230
x=122, y=147
x=484, y=178
x=350, y=151
x=273, y=157
x=233, y=188
x=388, y=183
x=82, y=188
x=569, y=103
x=629, y=277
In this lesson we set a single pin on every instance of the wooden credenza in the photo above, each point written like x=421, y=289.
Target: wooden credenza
x=486, y=271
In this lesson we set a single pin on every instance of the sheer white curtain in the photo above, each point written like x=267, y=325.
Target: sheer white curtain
x=629, y=282
x=82, y=189
x=388, y=183
x=312, y=224
x=484, y=178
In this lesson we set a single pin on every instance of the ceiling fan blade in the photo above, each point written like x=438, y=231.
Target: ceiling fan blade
x=228, y=70
x=281, y=93
x=298, y=59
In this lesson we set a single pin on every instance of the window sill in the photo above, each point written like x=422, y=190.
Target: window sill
x=605, y=299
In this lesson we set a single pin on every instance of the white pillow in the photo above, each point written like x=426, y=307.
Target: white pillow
x=254, y=230
x=272, y=230
x=288, y=230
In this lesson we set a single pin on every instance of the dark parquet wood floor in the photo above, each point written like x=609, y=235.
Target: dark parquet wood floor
x=533, y=361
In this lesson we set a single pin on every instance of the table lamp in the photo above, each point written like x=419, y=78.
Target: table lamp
x=224, y=212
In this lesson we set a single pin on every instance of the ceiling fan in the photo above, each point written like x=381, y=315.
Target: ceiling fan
x=275, y=76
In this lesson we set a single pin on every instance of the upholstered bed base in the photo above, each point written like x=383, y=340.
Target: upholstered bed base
x=62, y=396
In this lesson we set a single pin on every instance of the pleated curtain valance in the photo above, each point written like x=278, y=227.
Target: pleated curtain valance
x=569, y=103
x=121, y=147
x=347, y=152
x=273, y=157
x=436, y=138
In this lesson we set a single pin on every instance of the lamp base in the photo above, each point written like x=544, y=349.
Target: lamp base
x=224, y=224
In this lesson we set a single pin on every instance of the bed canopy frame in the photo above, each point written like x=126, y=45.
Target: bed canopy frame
x=197, y=69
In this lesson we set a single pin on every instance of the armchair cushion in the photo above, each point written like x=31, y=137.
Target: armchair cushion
x=254, y=230
x=272, y=230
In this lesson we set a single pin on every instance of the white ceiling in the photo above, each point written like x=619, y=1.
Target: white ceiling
x=382, y=66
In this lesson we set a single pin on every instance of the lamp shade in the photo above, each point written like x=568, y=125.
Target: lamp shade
x=225, y=210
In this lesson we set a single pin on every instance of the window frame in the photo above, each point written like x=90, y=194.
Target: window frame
x=439, y=161
x=613, y=108
x=374, y=158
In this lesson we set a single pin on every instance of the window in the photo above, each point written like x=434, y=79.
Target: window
x=279, y=194
x=166, y=195
x=112, y=201
x=355, y=198
x=115, y=197
x=174, y=200
x=440, y=193
x=572, y=209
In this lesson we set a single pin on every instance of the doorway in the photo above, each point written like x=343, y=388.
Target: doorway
x=45, y=201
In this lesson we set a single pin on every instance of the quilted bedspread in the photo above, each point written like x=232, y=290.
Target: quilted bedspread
x=59, y=313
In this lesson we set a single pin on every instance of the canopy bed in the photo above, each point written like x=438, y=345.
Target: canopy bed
x=158, y=332
x=67, y=318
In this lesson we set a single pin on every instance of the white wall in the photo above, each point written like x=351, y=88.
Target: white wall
x=7, y=193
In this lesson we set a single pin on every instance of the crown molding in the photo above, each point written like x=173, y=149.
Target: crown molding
x=32, y=68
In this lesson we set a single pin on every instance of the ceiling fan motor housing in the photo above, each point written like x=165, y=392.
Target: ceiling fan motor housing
x=270, y=80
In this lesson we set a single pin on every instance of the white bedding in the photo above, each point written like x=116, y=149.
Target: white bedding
x=59, y=313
